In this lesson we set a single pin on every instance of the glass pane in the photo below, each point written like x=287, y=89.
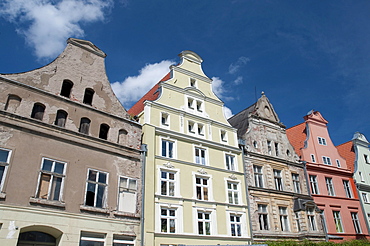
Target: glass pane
x=200, y=216
x=90, y=195
x=205, y=190
x=163, y=225
x=102, y=178
x=47, y=165
x=164, y=175
x=171, y=189
x=163, y=188
x=205, y=181
x=172, y=226
x=57, y=184
x=4, y=155
x=170, y=151
x=206, y=216
x=232, y=230
x=172, y=212
x=171, y=176
x=200, y=228
x=164, y=148
x=197, y=180
x=236, y=198
x=230, y=197
x=199, y=193
x=163, y=211
x=123, y=182
x=132, y=184
x=2, y=168
x=238, y=228
x=59, y=168
x=92, y=175
x=208, y=229
x=90, y=243
x=99, y=199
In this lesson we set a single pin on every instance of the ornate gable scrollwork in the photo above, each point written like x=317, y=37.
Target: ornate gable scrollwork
x=168, y=165
x=202, y=171
x=233, y=177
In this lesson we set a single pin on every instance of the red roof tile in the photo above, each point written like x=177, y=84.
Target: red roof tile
x=151, y=95
x=297, y=136
x=347, y=152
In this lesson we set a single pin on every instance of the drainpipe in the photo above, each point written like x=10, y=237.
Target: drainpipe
x=143, y=150
x=242, y=144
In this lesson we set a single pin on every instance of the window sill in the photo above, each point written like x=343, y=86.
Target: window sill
x=47, y=202
x=2, y=195
x=94, y=209
x=125, y=214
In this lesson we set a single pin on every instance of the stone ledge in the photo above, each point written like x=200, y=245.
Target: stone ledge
x=94, y=209
x=47, y=202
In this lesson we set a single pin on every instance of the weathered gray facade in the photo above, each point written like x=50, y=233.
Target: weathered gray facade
x=280, y=204
x=70, y=161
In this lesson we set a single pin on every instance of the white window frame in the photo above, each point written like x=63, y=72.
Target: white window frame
x=296, y=183
x=284, y=218
x=321, y=141
x=128, y=189
x=263, y=217
x=53, y=175
x=330, y=186
x=361, y=176
x=233, y=192
x=347, y=188
x=168, y=218
x=297, y=219
x=230, y=162
x=338, y=221
x=204, y=188
x=204, y=220
x=165, y=119
x=223, y=135
x=198, y=159
x=311, y=219
x=167, y=148
x=178, y=215
x=200, y=129
x=314, y=184
x=167, y=180
x=258, y=176
x=365, y=198
x=93, y=237
x=356, y=222
x=191, y=127
x=199, y=106
x=209, y=184
x=326, y=160
x=5, y=165
x=96, y=183
x=122, y=240
x=278, y=179
x=236, y=224
x=190, y=103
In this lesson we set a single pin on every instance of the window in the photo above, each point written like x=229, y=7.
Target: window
x=92, y=239
x=284, y=223
x=199, y=106
x=167, y=183
x=84, y=125
x=66, y=88
x=278, y=180
x=38, y=111
x=296, y=184
x=361, y=176
x=164, y=119
x=230, y=162
x=338, y=221
x=200, y=129
x=120, y=240
x=192, y=82
x=201, y=185
x=12, y=103
x=322, y=141
x=338, y=162
x=122, y=137
x=127, y=195
x=356, y=222
x=191, y=127
x=96, y=188
x=103, y=132
x=204, y=223
x=326, y=160
x=311, y=219
x=366, y=159
x=223, y=136
x=190, y=103
x=365, y=198
x=255, y=145
x=4, y=163
x=297, y=220
x=288, y=152
x=167, y=148
x=200, y=156
x=347, y=188
x=235, y=225
x=263, y=217
x=168, y=220
x=277, y=149
x=269, y=147
x=61, y=118
x=258, y=176
x=51, y=180
x=314, y=185
x=88, y=97
x=36, y=238
x=233, y=193
x=330, y=186
x=313, y=158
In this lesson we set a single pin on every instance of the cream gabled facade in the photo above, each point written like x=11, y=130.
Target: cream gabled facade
x=70, y=165
x=194, y=176
x=280, y=204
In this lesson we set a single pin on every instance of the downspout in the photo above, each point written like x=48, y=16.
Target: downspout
x=143, y=150
x=242, y=145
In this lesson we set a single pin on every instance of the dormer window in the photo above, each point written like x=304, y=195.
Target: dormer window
x=88, y=97
x=322, y=141
x=164, y=119
x=326, y=160
x=192, y=82
x=66, y=88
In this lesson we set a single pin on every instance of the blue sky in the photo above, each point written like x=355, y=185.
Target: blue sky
x=303, y=54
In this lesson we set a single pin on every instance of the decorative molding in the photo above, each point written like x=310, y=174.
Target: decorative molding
x=168, y=165
x=202, y=171
x=233, y=177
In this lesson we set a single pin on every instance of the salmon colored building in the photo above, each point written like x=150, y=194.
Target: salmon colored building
x=330, y=179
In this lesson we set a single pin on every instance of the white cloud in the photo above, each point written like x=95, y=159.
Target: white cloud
x=219, y=89
x=227, y=112
x=134, y=87
x=238, y=80
x=234, y=67
x=46, y=24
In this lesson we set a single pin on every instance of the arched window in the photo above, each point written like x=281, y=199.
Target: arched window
x=122, y=137
x=88, y=97
x=84, y=125
x=38, y=111
x=36, y=238
x=103, y=133
x=12, y=103
x=66, y=88
x=61, y=118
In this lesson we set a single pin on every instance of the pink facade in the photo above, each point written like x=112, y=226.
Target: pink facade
x=330, y=179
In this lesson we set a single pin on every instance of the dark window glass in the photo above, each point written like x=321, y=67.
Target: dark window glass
x=38, y=111
x=103, y=133
x=84, y=125
x=61, y=118
x=66, y=88
x=88, y=97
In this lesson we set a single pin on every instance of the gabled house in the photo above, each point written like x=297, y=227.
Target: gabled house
x=70, y=163
x=330, y=179
x=194, y=177
x=280, y=205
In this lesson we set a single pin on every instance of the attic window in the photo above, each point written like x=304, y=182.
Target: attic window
x=84, y=125
x=88, y=97
x=60, y=120
x=38, y=111
x=103, y=133
x=12, y=103
x=66, y=88
x=192, y=82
